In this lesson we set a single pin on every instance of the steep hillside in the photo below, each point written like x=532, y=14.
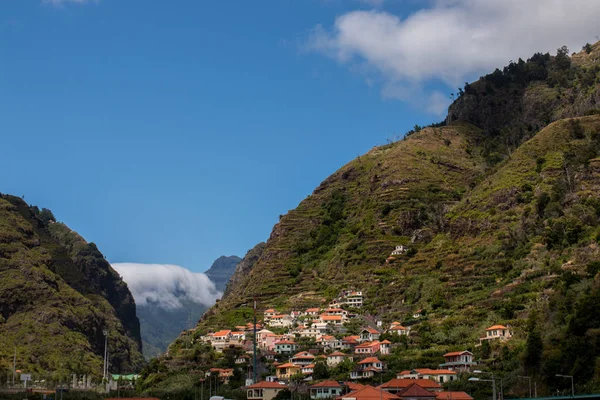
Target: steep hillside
x=57, y=294
x=499, y=211
x=221, y=270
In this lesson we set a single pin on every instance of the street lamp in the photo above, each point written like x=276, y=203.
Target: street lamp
x=493, y=382
x=572, y=383
x=529, y=379
x=473, y=379
x=105, y=333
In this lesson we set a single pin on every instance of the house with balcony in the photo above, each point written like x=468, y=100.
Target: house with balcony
x=398, y=329
x=312, y=312
x=287, y=370
x=369, y=334
x=280, y=321
x=367, y=348
x=269, y=313
x=496, y=332
x=335, y=358
x=367, y=368
x=285, y=347
x=302, y=358
x=308, y=369
x=458, y=361
x=335, y=320
x=264, y=390
x=436, y=375
x=325, y=390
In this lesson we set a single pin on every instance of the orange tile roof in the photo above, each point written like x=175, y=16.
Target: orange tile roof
x=270, y=310
x=369, y=360
x=416, y=390
x=398, y=328
x=386, y=342
x=428, y=371
x=457, y=353
x=353, y=385
x=337, y=354
x=369, y=393
x=288, y=365
x=367, y=344
x=237, y=333
x=284, y=342
x=326, y=384
x=492, y=328
x=404, y=383
x=452, y=396
x=312, y=310
x=371, y=330
x=267, y=385
x=331, y=317
x=303, y=354
x=222, y=333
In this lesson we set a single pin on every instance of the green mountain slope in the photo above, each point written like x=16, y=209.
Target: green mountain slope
x=499, y=211
x=57, y=294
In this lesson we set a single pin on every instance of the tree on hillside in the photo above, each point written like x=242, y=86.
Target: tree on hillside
x=46, y=216
x=534, y=345
x=320, y=371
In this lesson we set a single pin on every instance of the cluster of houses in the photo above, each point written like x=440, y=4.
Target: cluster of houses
x=277, y=340
x=396, y=389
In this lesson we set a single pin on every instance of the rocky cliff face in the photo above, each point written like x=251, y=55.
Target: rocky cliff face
x=58, y=294
x=221, y=270
x=244, y=267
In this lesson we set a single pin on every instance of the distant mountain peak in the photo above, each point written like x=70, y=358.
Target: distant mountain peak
x=221, y=270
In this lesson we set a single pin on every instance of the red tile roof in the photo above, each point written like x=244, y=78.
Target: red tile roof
x=288, y=365
x=398, y=328
x=416, y=390
x=370, y=360
x=325, y=317
x=353, y=385
x=428, y=371
x=452, y=396
x=457, y=353
x=303, y=354
x=404, y=383
x=222, y=333
x=337, y=354
x=371, y=330
x=266, y=385
x=369, y=393
x=492, y=328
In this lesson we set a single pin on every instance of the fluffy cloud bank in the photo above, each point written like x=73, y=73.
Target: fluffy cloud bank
x=453, y=40
x=166, y=284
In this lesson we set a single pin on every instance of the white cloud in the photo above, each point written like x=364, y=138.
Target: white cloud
x=167, y=284
x=454, y=40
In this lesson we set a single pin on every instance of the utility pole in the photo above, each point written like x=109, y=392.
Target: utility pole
x=14, y=366
x=254, y=344
x=105, y=368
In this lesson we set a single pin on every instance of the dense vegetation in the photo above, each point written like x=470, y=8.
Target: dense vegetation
x=499, y=208
x=57, y=294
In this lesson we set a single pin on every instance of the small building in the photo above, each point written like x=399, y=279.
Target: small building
x=264, y=390
x=354, y=299
x=497, y=332
x=313, y=312
x=335, y=358
x=287, y=370
x=437, y=375
x=350, y=342
x=458, y=361
x=418, y=314
x=285, y=347
x=367, y=368
x=384, y=347
x=302, y=358
x=308, y=369
x=369, y=335
x=243, y=359
x=269, y=313
x=399, y=250
x=281, y=321
x=416, y=392
x=335, y=320
x=325, y=390
x=398, y=329
x=367, y=348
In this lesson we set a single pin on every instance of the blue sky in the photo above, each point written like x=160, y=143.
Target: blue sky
x=175, y=132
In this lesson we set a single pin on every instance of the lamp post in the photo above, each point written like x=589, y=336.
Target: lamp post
x=473, y=379
x=529, y=379
x=493, y=380
x=572, y=383
x=105, y=333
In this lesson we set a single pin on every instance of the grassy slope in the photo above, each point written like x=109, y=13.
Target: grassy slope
x=54, y=326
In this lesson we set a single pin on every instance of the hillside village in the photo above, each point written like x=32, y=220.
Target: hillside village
x=303, y=349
